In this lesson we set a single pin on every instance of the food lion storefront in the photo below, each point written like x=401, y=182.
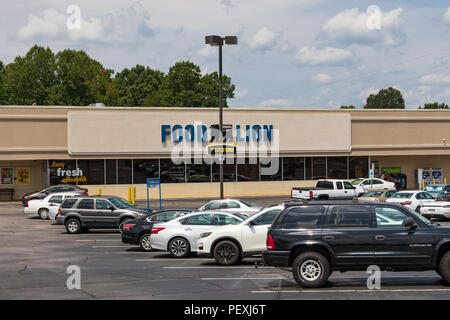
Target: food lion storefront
x=268, y=150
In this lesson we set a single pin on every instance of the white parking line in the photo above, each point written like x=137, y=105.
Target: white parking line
x=226, y=267
x=209, y=279
x=170, y=259
x=110, y=247
x=350, y=291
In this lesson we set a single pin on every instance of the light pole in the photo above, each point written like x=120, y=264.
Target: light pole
x=218, y=41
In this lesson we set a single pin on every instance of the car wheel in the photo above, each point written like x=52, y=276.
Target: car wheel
x=43, y=213
x=179, y=248
x=144, y=242
x=311, y=269
x=73, y=226
x=444, y=267
x=124, y=222
x=226, y=253
x=418, y=209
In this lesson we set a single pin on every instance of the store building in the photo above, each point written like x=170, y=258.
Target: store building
x=114, y=148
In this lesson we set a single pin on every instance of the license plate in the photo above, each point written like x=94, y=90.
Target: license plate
x=431, y=210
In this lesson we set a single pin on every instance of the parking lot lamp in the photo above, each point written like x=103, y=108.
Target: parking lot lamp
x=218, y=41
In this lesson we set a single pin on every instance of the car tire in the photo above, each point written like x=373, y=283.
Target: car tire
x=444, y=267
x=311, y=269
x=226, y=253
x=124, y=221
x=144, y=242
x=179, y=248
x=73, y=226
x=43, y=213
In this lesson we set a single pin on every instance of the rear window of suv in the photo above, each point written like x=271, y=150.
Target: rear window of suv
x=68, y=203
x=305, y=217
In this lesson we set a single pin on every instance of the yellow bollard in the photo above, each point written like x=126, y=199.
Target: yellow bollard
x=99, y=191
x=134, y=196
x=423, y=183
x=434, y=180
x=129, y=194
x=445, y=180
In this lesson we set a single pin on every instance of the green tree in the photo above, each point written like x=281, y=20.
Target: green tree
x=138, y=85
x=348, y=107
x=389, y=98
x=81, y=80
x=2, y=86
x=28, y=79
x=209, y=88
x=434, y=105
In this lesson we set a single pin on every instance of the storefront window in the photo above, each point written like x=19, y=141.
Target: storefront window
x=143, y=169
x=249, y=171
x=271, y=166
x=229, y=172
x=198, y=172
x=124, y=171
x=319, y=168
x=294, y=168
x=111, y=172
x=358, y=167
x=65, y=172
x=93, y=170
x=337, y=167
x=308, y=168
x=172, y=173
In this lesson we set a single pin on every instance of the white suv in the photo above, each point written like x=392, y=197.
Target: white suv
x=229, y=244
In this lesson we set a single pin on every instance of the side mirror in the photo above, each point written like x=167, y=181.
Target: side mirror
x=410, y=224
x=251, y=223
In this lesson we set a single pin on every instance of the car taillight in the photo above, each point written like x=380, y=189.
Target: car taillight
x=26, y=205
x=86, y=193
x=270, y=244
x=59, y=212
x=406, y=203
x=156, y=230
x=311, y=194
x=446, y=206
x=128, y=226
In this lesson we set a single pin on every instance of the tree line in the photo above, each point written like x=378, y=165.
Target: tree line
x=72, y=78
x=392, y=98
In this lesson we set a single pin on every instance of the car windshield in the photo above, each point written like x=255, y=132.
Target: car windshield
x=357, y=181
x=246, y=203
x=120, y=203
x=373, y=194
x=420, y=217
x=434, y=188
x=401, y=195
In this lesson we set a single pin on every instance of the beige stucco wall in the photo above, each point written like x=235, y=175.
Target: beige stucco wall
x=205, y=190
x=36, y=177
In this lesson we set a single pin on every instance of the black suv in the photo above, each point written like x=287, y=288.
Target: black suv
x=54, y=189
x=80, y=214
x=318, y=237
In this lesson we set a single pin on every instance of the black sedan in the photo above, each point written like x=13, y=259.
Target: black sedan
x=53, y=189
x=138, y=231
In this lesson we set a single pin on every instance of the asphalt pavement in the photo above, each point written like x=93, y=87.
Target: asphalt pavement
x=35, y=255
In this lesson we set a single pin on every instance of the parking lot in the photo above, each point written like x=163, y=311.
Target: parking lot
x=35, y=254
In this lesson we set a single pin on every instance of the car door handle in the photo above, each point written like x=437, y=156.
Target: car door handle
x=188, y=229
x=380, y=237
x=328, y=238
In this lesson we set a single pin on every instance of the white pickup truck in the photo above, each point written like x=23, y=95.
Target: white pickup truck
x=329, y=189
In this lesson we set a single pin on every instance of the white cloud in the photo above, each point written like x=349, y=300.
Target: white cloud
x=435, y=78
x=328, y=55
x=322, y=78
x=447, y=16
x=126, y=25
x=276, y=103
x=264, y=39
x=241, y=93
x=351, y=26
x=365, y=93
x=207, y=51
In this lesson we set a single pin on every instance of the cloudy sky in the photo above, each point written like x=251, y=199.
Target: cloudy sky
x=291, y=53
